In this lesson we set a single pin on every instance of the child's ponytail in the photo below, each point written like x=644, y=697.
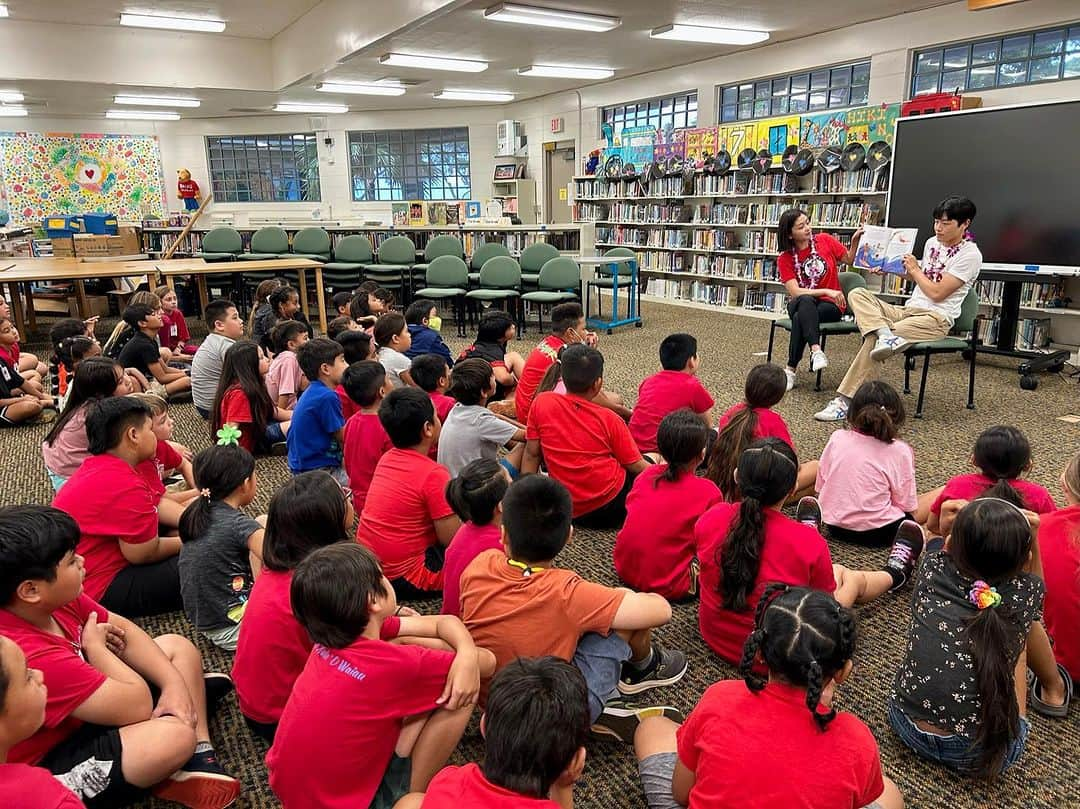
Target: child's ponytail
x=766, y=475
x=551, y=377
x=476, y=492
x=765, y=387
x=218, y=472
x=876, y=410
x=681, y=438
x=1002, y=452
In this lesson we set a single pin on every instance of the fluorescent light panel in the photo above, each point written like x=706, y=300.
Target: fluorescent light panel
x=10, y=96
x=288, y=106
x=173, y=23
x=474, y=95
x=13, y=112
x=433, y=62
x=712, y=36
x=3, y=10
x=356, y=88
x=551, y=17
x=153, y=101
x=143, y=115
x=566, y=72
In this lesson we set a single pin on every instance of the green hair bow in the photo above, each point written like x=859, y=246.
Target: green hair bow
x=228, y=435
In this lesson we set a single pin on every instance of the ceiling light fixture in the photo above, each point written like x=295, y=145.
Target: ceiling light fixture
x=319, y=109
x=153, y=101
x=13, y=112
x=712, y=36
x=566, y=72
x=474, y=95
x=143, y=115
x=10, y=96
x=356, y=88
x=551, y=17
x=3, y=10
x=433, y=62
x=173, y=23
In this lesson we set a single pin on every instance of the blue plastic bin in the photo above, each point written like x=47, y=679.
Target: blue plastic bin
x=62, y=227
x=104, y=224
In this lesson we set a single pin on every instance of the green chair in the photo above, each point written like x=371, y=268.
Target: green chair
x=609, y=276
x=221, y=244
x=533, y=258
x=966, y=324
x=312, y=243
x=447, y=277
x=350, y=256
x=441, y=245
x=559, y=280
x=396, y=256
x=483, y=253
x=267, y=243
x=500, y=280
x=848, y=281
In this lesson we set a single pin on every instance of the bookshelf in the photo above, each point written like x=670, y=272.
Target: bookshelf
x=518, y=197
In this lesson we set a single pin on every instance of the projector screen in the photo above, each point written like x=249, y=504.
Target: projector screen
x=1019, y=165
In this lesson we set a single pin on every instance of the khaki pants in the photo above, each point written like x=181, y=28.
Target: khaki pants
x=871, y=313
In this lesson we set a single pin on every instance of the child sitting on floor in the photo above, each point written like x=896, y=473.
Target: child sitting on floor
x=793, y=748
x=654, y=550
x=535, y=769
x=174, y=334
x=518, y=603
x=243, y=401
x=143, y=353
x=103, y=736
x=673, y=388
x=283, y=304
x=357, y=346
x=751, y=420
x=1059, y=545
x=284, y=379
x=393, y=339
x=365, y=440
x=62, y=337
x=22, y=713
x=26, y=364
x=425, y=339
x=308, y=511
x=406, y=520
x=226, y=328
x=168, y=458
x=493, y=336
x=431, y=374
x=261, y=308
x=222, y=550
x=314, y=442
x=339, y=325
x=744, y=546
x=476, y=496
x=470, y=430
x=21, y=398
x=369, y=720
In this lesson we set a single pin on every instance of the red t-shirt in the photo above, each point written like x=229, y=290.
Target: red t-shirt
x=769, y=423
x=272, y=649
x=968, y=487
x=456, y=787
x=187, y=188
x=342, y=721
x=407, y=495
x=792, y=553
x=660, y=394
x=20, y=783
x=111, y=502
x=363, y=445
x=174, y=329
x=536, y=365
x=236, y=409
x=469, y=541
x=732, y=743
x=585, y=447
x=831, y=252
x=654, y=547
x=69, y=679
x=1059, y=541
x=443, y=405
x=348, y=406
x=153, y=470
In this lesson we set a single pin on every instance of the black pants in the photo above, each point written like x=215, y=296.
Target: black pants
x=610, y=515
x=879, y=537
x=141, y=590
x=405, y=590
x=806, y=313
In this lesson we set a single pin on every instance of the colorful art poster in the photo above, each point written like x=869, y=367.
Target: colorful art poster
x=824, y=129
x=736, y=137
x=700, y=142
x=671, y=144
x=869, y=124
x=50, y=173
x=635, y=144
x=776, y=134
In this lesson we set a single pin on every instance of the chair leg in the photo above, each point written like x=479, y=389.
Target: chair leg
x=817, y=382
x=971, y=370
x=922, y=385
x=540, y=317
x=908, y=361
x=772, y=337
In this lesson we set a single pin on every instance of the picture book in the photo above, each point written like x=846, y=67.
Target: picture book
x=883, y=249
x=416, y=214
x=473, y=209
x=399, y=212
x=437, y=214
x=453, y=213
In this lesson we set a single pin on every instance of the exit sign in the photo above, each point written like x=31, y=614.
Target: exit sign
x=556, y=125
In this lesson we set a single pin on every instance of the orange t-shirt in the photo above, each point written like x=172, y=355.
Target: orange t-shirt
x=545, y=613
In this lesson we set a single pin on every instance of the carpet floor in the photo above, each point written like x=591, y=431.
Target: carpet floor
x=1048, y=775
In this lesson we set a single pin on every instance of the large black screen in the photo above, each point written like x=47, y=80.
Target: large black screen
x=1020, y=166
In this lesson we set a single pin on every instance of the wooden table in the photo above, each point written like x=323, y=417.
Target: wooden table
x=201, y=269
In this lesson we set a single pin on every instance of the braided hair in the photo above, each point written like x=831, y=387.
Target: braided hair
x=805, y=637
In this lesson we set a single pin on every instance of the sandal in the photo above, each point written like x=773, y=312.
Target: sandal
x=1053, y=711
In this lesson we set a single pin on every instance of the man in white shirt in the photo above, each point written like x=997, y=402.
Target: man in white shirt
x=950, y=265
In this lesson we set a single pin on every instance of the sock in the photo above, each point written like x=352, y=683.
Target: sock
x=884, y=332
x=204, y=747
x=644, y=663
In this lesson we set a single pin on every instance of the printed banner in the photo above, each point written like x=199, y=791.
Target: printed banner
x=635, y=145
x=700, y=142
x=736, y=137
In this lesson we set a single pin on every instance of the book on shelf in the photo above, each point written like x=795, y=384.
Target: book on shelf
x=882, y=249
x=473, y=210
x=399, y=214
x=436, y=213
x=416, y=214
x=453, y=213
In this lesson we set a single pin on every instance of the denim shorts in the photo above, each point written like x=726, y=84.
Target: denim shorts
x=56, y=480
x=957, y=752
x=600, y=659
x=274, y=433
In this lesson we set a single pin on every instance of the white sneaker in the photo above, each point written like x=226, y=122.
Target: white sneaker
x=887, y=346
x=790, y=378
x=818, y=360
x=836, y=410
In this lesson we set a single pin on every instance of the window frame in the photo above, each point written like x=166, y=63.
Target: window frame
x=416, y=151
x=799, y=92
x=264, y=168
x=670, y=108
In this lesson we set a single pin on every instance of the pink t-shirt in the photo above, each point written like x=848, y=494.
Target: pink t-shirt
x=469, y=541
x=864, y=483
x=70, y=448
x=284, y=378
x=660, y=394
x=968, y=487
x=769, y=425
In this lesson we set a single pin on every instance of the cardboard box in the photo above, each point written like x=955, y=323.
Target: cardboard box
x=49, y=303
x=91, y=245
x=63, y=248
x=132, y=243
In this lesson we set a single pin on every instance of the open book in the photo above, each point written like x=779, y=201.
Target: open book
x=883, y=249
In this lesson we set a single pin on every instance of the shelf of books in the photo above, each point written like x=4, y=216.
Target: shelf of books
x=1042, y=301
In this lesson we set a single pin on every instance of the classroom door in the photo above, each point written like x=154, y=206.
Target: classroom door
x=559, y=162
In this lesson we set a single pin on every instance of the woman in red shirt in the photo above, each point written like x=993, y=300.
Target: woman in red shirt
x=807, y=266
x=1059, y=540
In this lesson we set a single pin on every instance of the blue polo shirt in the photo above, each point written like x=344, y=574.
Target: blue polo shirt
x=315, y=419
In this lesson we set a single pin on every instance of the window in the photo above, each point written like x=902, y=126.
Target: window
x=402, y=164
x=1029, y=57
x=670, y=112
x=813, y=90
x=264, y=168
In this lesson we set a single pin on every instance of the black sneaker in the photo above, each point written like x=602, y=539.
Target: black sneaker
x=621, y=717
x=218, y=685
x=668, y=666
x=904, y=553
x=200, y=784
x=808, y=512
